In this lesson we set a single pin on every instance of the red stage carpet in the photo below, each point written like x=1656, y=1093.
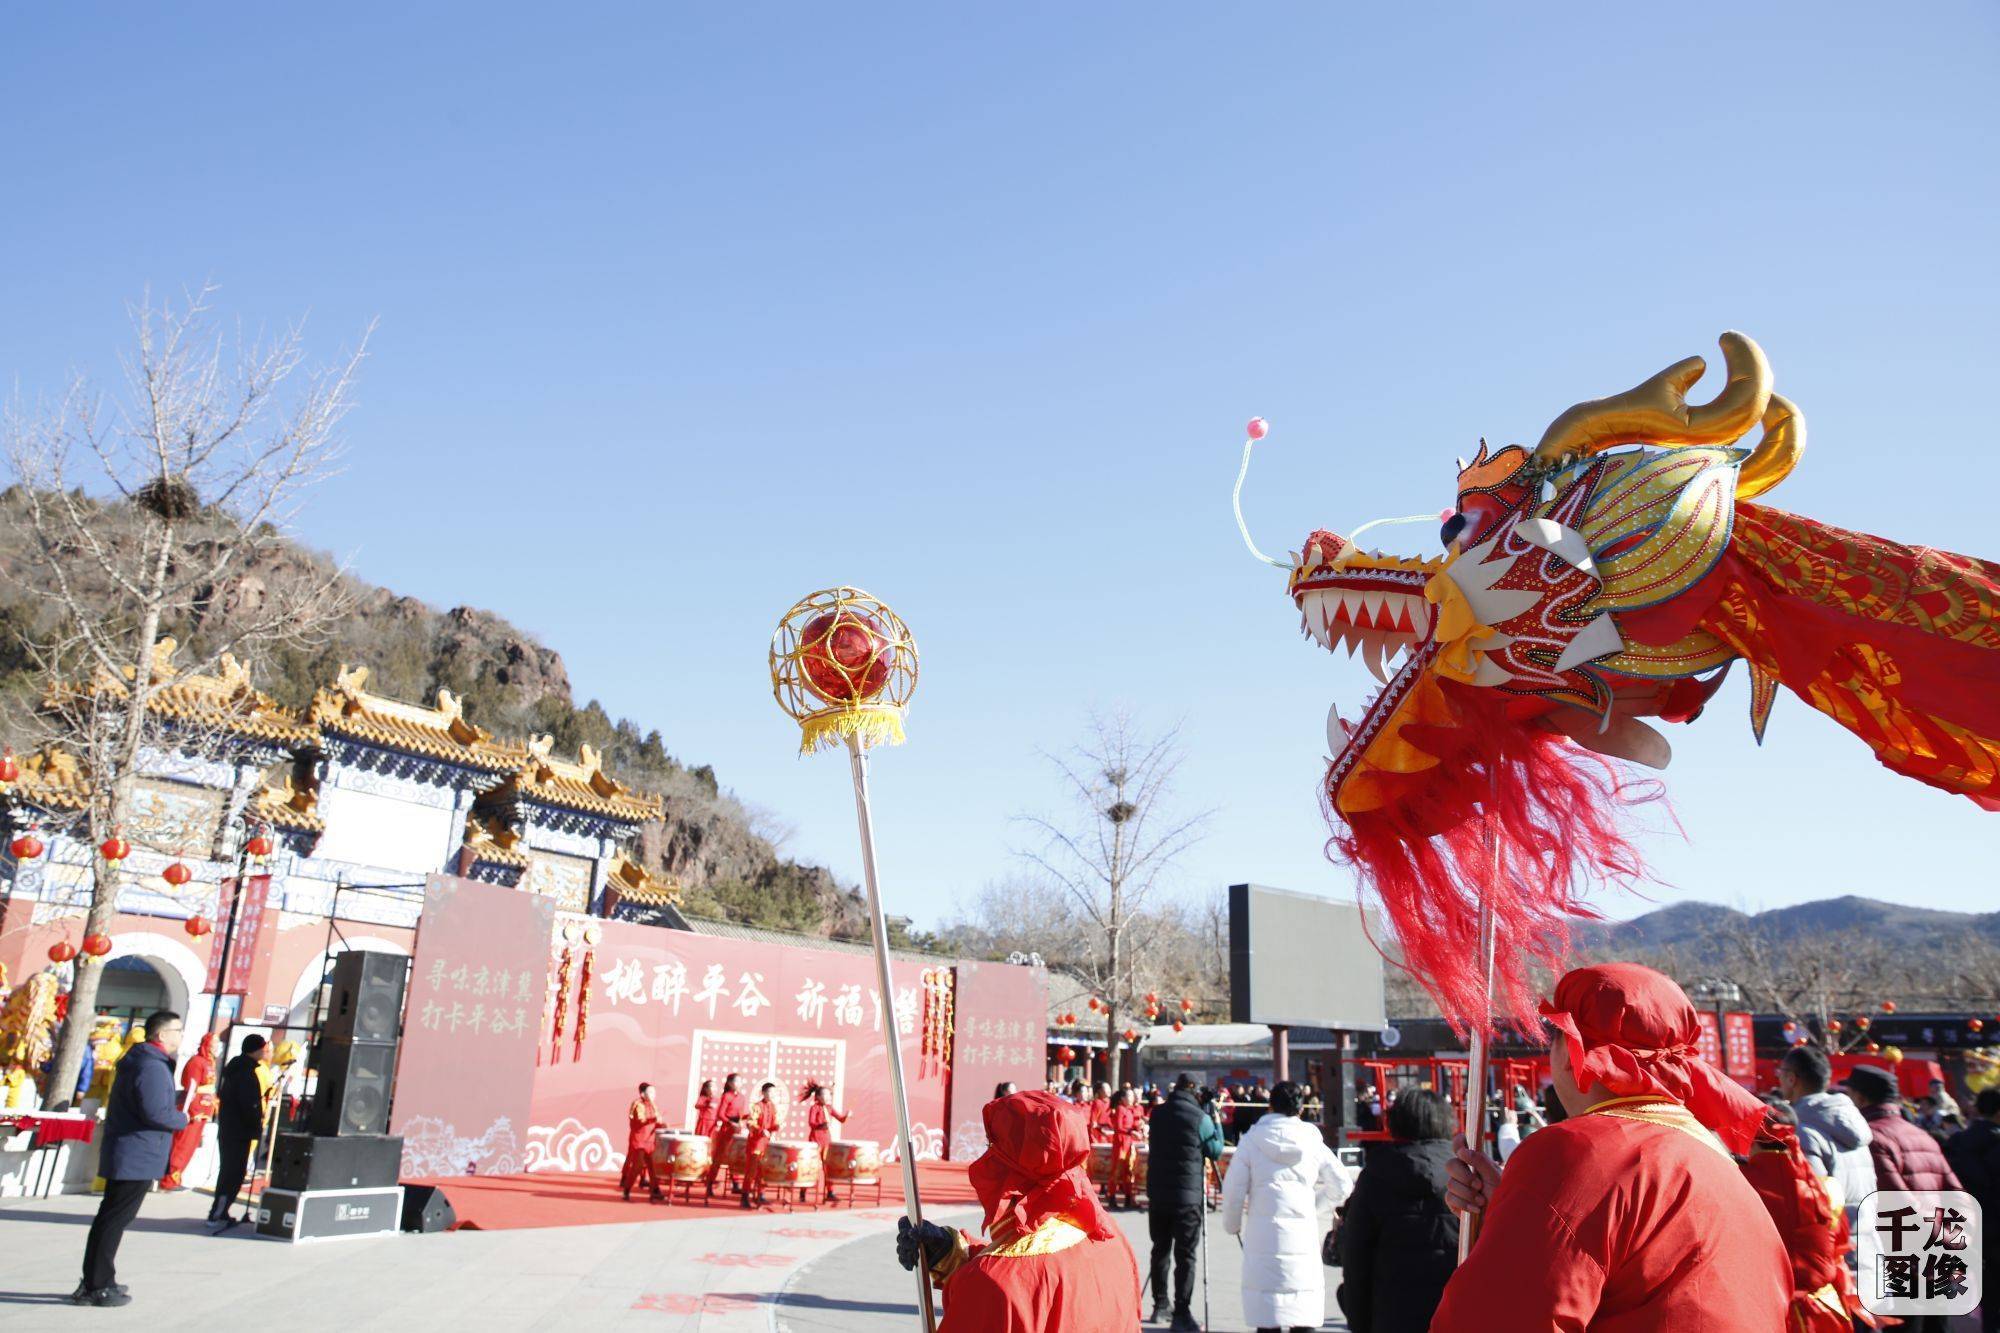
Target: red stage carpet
x=573, y=1199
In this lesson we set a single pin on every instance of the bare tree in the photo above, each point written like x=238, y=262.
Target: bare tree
x=1111, y=851
x=146, y=520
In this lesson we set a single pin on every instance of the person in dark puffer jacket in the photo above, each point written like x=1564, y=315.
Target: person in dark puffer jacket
x=140, y=1121
x=1398, y=1240
x=1974, y=1154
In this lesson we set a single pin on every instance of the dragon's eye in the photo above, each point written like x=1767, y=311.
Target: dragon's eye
x=1452, y=527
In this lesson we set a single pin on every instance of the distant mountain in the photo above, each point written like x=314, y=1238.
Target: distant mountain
x=1696, y=930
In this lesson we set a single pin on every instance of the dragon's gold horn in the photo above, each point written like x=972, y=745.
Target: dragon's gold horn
x=1784, y=443
x=1657, y=412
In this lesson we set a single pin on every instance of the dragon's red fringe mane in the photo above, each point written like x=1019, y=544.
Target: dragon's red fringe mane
x=1558, y=811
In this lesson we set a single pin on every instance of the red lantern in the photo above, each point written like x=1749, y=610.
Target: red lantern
x=1065, y=1056
x=177, y=874
x=1187, y=1006
x=1130, y=1035
x=259, y=844
x=1874, y=1047
x=1888, y=1006
x=1177, y=1025
x=1093, y=1004
x=1151, y=998
x=1833, y=1025
x=114, y=848
x=197, y=926
x=846, y=656
x=1973, y=1025
x=26, y=847
x=1861, y=1024
x=61, y=951
x=97, y=945
x=9, y=770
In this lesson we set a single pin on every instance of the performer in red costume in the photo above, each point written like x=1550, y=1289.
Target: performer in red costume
x=198, y=1100
x=1099, y=1112
x=729, y=1110
x=1123, y=1121
x=704, y=1108
x=1813, y=1230
x=1630, y=1216
x=820, y=1131
x=644, y=1133
x=764, y=1121
x=1053, y=1260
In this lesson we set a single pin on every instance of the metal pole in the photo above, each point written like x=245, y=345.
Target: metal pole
x=858, y=760
x=229, y=928
x=1475, y=1064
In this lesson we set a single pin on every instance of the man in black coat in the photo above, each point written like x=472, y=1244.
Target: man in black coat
x=140, y=1121
x=239, y=1122
x=1974, y=1154
x=1181, y=1142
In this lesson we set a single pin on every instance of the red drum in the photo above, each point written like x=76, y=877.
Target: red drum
x=854, y=1159
x=681, y=1157
x=791, y=1163
x=1100, y=1165
x=733, y=1158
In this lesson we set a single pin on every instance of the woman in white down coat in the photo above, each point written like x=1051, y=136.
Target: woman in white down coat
x=1281, y=1174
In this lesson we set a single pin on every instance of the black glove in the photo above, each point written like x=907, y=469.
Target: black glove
x=934, y=1240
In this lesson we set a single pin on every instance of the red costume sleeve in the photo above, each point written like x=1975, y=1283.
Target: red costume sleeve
x=1617, y=1226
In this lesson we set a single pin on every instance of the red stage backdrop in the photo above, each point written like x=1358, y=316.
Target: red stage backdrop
x=1002, y=1024
x=471, y=1023
x=673, y=1008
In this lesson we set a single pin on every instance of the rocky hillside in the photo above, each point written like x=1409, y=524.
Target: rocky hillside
x=511, y=685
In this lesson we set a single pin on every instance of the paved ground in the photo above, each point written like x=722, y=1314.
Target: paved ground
x=733, y=1273
x=859, y=1286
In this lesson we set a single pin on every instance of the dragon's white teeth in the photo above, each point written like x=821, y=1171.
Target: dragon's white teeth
x=1371, y=605
x=1374, y=657
x=1336, y=730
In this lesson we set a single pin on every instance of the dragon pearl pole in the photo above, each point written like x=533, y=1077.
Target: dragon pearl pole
x=878, y=925
x=1476, y=1054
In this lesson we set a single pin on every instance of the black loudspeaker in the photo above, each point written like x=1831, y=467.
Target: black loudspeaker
x=367, y=999
x=353, y=1092
x=426, y=1209
x=355, y=1161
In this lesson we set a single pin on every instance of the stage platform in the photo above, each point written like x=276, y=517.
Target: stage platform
x=576, y=1199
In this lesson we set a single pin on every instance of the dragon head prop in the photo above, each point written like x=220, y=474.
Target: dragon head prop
x=1593, y=585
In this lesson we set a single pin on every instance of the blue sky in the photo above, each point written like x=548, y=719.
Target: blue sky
x=685, y=312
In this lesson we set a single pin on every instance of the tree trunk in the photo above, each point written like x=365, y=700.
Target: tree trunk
x=107, y=816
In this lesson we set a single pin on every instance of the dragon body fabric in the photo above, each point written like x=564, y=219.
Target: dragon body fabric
x=1609, y=575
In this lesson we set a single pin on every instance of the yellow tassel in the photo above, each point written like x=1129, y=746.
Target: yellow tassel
x=869, y=725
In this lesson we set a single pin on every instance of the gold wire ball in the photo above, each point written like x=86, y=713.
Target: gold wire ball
x=843, y=666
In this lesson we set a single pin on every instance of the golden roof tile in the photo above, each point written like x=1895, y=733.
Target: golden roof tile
x=439, y=732
x=52, y=779
x=634, y=884
x=288, y=806
x=581, y=785
x=492, y=841
x=225, y=700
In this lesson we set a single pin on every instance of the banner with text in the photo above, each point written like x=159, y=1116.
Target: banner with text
x=1001, y=1037
x=479, y=985
x=675, y=1008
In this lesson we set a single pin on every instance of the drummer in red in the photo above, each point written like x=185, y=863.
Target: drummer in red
x=1053, y=1260
x=820, y=1131
x=643, y=1134
x=764, y=1121
x=729, y=1109
x=1630, y=1216
x=704, y=1109
x=1123, y=1121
